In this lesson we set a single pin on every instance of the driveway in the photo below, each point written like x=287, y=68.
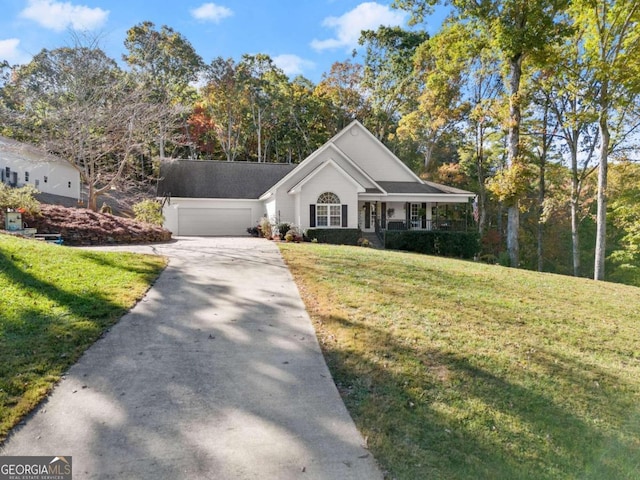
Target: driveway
x=215, y=374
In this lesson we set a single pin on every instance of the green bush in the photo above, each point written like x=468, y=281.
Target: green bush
x=446, y=244
x=335, y=236
x=283, y=228
x=149, y=211
x=22, y=198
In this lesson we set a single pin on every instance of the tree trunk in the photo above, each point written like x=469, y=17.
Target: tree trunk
x=575, y=238
x=513, y=154
x=601, y=222
x=541, y=194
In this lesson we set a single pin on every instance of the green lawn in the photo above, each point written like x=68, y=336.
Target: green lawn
x=459, y=370
x=54, y=303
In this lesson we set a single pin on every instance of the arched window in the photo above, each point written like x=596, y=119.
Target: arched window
x=328, y=210
x=329, y=197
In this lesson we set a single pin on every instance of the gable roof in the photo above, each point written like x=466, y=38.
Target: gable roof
x=328, y=163
x=219, y=179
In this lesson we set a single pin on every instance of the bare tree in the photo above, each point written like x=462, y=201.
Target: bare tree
x=88, y=111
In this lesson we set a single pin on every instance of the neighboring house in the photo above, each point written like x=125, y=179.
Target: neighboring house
x=22, y=164
x=352, y=181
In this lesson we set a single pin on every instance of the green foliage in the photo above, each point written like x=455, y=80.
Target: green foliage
x=447, y=244
x=283, y=228
x=19, y=198
x=149, y=211
x=335, y=236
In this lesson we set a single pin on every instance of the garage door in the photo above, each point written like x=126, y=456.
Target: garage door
x=214, y=221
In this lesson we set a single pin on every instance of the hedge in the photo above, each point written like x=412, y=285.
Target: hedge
x=446, y=244
x=335, y=236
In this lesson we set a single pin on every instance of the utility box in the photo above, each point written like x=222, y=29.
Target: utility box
x=12, y=221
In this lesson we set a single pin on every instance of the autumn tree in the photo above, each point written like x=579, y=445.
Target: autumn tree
x=519, y=31
x=224, y=102
x=166, y=63
x=343, y=88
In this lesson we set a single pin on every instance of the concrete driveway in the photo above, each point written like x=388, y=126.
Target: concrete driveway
x=215, y=374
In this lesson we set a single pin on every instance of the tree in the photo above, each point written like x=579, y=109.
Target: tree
x=224, y=101
x=388, y=67
x=343, y=88
x=86, y=110
x=167, y=64
x=518, y=30
x=611, y=51
x=439, y=64
x=262, y=81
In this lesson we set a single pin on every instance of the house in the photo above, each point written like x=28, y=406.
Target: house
x=22, y=164
x=352, y=181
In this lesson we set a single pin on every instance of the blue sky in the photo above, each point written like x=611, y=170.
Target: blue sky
x=302, y=36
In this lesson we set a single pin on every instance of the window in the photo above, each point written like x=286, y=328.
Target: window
x=26, y=176
x=416, y=219
x=328, y=210
x=7, y=172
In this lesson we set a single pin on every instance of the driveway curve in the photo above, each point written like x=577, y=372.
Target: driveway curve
x=215, y=374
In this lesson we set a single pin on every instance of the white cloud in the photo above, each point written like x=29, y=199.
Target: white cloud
x=293, y=64
x=347, y=28
x=211, y=12
x=58, y=16
x=10, y=51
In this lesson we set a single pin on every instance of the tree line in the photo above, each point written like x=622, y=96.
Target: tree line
x=528, y=103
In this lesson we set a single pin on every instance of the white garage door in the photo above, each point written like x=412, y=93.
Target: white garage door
x=214, y=221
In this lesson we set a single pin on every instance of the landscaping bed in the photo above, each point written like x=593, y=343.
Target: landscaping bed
x=79, y=226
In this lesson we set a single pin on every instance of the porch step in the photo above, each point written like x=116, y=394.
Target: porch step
x=373, y=239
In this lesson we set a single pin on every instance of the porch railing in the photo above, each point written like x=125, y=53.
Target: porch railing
x=441, y=225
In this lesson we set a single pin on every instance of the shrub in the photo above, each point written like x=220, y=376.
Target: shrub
x=283, y=228
x=446, y=244
x=253, y=231
x=149, y=211
x=265, y=227
x=22, y=198
x=293, y=235
x=336, y=236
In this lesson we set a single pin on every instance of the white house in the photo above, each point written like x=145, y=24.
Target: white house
x=352, y=181
x=22, y=164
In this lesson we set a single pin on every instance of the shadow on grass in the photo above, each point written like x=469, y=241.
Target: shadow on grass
x=434, y=414
x=43, y=336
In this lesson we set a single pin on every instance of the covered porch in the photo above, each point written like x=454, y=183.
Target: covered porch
x=378, y=216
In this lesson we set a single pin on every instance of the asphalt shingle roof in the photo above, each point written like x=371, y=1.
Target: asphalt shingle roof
x=415, y=187
x=219, y=179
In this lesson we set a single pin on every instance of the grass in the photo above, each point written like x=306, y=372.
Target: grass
x=459, y=370
x=54, y=303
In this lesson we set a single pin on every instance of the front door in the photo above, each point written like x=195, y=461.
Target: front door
x=367, y=217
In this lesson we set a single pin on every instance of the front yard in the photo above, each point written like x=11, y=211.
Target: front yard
x=459, y=370
x=55, y=302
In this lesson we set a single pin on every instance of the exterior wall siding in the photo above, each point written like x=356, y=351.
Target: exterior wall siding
x=58, y=175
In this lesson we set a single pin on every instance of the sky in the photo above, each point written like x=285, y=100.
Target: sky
x=303, y=37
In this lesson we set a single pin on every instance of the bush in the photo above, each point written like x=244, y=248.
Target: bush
x=446, y=244
x=283, y=228
x=265, y=228
x=149, y=211
x=335, y=236
x=22, y=198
